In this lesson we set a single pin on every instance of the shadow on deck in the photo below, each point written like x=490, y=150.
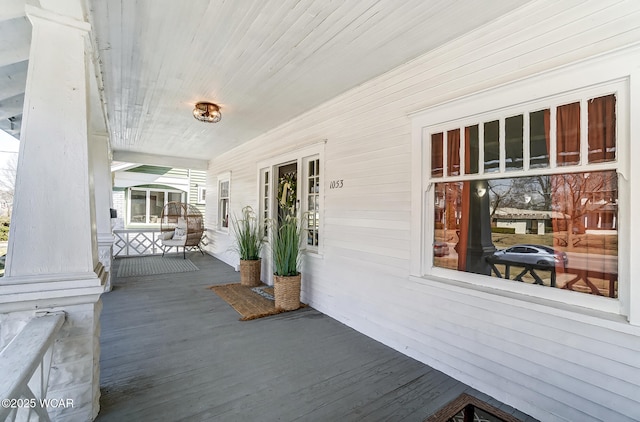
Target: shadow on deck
x=171, y=350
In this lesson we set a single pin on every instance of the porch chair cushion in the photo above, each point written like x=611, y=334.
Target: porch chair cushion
x=180, y=234
x=166, y=236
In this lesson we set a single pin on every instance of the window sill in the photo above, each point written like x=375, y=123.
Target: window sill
x=607, y=315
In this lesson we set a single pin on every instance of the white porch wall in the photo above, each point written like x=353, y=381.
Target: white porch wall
x=555, y=364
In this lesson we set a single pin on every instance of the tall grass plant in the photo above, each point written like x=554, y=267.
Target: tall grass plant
x=249, y=232
x=285, y=247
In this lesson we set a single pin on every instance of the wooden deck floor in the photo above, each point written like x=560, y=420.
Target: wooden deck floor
x=172, y=350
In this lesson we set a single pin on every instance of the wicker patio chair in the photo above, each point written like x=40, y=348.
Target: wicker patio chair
x=181, y=225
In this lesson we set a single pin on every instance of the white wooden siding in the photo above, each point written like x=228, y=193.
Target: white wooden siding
x=555, y=363
x=197, y=178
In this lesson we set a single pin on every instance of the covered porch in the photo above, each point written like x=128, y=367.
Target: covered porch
x=357, y=100
x=174, y=350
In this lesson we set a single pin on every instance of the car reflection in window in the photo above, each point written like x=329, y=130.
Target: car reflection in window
x=532, y=254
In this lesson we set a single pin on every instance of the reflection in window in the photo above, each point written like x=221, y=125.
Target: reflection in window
x=553, y=230
x=514, y=127
x=473, y=149
x=138, y=206
x=453, y=152
x=223, y=204
x=492, y=146
x=602, y=129
x=156, y=203
x=568, y=134
x=146, y=204
x=538, y=139
x=437, y=155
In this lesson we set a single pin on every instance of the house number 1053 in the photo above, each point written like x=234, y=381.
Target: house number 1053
x=336, y=184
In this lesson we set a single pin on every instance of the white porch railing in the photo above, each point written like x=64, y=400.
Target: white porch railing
x=136, y=242
x=24, y=364
x=140, y=242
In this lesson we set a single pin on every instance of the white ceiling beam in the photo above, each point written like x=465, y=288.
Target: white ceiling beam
x=15, y=40
x=13, y=80
x=160, y=160
x=11, y=107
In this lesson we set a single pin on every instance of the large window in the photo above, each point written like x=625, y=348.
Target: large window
x=529, y=193
x=145, y=205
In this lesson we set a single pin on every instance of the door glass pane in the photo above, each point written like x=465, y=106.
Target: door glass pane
x=514, y=127
x=491, y=146
x=539, y=139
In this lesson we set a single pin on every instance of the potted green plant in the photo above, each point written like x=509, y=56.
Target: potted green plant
x=285, y=247
x=249, y=233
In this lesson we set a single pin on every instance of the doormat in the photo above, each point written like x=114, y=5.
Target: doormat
x=153, y=265
x=250, y=303
x=469, y=408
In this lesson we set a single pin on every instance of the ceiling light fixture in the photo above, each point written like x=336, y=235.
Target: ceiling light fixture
x=207, y=112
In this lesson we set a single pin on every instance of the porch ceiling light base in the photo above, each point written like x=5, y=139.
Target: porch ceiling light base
x=207, y=112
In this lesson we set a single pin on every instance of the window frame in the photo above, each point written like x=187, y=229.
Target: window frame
x=590, y=78
x=265, y=196
x=617, y=87
x=318, y=195
x=202, y=192
x=148, y=191
x=223, y=178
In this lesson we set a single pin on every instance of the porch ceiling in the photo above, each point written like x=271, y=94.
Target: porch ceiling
x=15, y=38
x=263, y=61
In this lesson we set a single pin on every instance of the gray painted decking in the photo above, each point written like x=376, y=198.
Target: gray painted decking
x=171, y=350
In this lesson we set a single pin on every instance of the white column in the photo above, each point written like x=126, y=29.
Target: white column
x=52, y=260
x=102, y=186
x=51, y=226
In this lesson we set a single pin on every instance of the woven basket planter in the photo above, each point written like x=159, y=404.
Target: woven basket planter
x=250, y=272
x=287, y=292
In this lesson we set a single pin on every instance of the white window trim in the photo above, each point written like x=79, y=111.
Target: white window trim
x=130, y=223
x=595, y=72
x=262, y=212
x=223, y=177
x=201, y=194
x=304, y=199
